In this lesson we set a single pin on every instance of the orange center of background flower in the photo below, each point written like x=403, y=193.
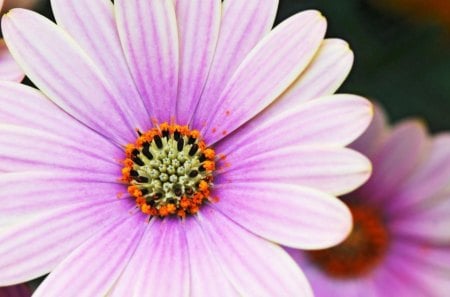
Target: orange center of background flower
x=363, y=249
x=169, y=171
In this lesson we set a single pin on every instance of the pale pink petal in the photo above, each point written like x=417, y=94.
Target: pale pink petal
x=256, y=267
x=160, y=265
x=9, y=70
x=243, y=25
x=23, y=148
x=332, y=170
x=291, y=215
x=430, y=178
x=27, y=193
x=323, y=76
x=332, y=121
x=207, y=277
x=266, y=72
x=92, y=268
x=395, y=161
x=92, y=24
x=63, y=71
x=15, y=291
x=149, y=36
x=36, y=244
x=198, y=27
x=371, y=140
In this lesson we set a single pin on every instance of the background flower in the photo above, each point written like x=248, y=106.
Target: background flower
x=400, y=245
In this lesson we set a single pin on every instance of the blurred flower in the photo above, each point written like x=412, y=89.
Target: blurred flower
x=15, y=291
x=8, y=67
x=112, y=202
x=10, y=4
x=400, y=244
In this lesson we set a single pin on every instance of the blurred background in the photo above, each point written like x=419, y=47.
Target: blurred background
x=402, y=51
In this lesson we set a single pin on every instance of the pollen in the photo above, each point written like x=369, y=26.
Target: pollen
x=361, y=252
x=169, y=171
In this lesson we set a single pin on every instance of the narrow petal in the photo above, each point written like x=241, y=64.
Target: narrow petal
x=198, y=27
x=9, y=70
x=160, y=265
x=36, y=244
x=243, y=25
x=255, y=267
x=63, y=71
x=266, y=72
x=30, y=149
x=55, y=189
x=149, y=36
x=207, y=277
x=323, y=76
x=333, y=121
x=291, y=215
x=92, y=268
x=92, y=24
x=333, y=170
x=395, y=161
x=429, y=178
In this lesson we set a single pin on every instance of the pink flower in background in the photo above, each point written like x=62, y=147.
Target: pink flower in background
x=170, y=147
x=8, y=68
x=15, y=291
x=400, y=244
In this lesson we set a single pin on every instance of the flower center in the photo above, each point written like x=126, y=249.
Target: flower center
x=169, y=171
x=363, y=249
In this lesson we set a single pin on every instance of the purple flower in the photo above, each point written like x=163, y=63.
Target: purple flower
x=171, y=147
x=15, y=291
x=400, y=244
x=8, y=68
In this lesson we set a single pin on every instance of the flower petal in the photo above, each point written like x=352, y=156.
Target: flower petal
x=395, y=161
x=92, y=24
x=62, y=70
x=9, y=70
x=243, y=25
x=255, y=267
x=332, y=170
x=332, y=121
x=15, y=291
x=52, y=189
x=198, y=27
x=291, y=215
x=36, y=244
x=266, y=72
x=24, y=148
x=92, y=268
x=160, y=265
x=149, y=35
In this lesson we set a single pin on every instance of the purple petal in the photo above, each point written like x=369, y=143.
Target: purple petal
x=15, y=291
x=92, y=24
x=36, y=244
x=198, y=27
x=395, y=161
x=149, y=36
x=62, y=70
x=333, y=121
x=254, y=266
x=243, y=25
x=287, y=214
x=332, y=170
x=266, y=72
x=9, y=70
x=93, y=268
x=160, y=265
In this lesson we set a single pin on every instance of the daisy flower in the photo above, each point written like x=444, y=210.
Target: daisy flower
x=8, y=68
x=15, y=291
x=400, y=244
x=171, y=146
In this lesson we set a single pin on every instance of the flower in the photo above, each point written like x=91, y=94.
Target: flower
x=8, y=68
x=400, y=245
x=30, y=4
x=15, y=291
x=149, y=162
